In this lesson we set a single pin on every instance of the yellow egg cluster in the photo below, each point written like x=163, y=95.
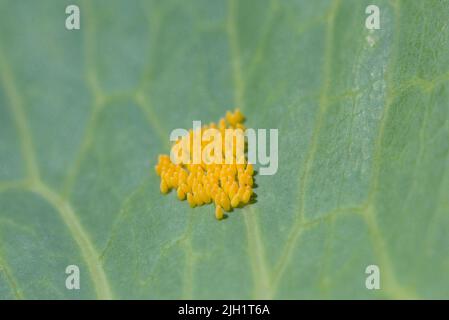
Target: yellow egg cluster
x=227, y=185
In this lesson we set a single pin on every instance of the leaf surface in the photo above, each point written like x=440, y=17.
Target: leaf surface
x=363, y=148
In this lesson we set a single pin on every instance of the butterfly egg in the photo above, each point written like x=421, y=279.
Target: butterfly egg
x=239, y=117
x=168, y=179
x=231, y=193
x=222, y=181
x=235, y=201
x=181, y=180
x=184, y=187
x=223, y=178
x=249, y=169
x=182, y=175
x=174, y=181
x=208, y=189
x=202, y=194
x=241, y=191
x=225, y=186
x=218, y=212
x=246, y=195
x=213, y=191
x=158, y=169
x=206, y=197
x=190, y=179
x=219, y=192
x=249, y=181
x=225, y=202
x=229, y=117
x=197, y=198
x=233, y=189
x=164, y=186
x=222, y=124
x=163, y=158
x=216, y=200
x=242, y=180
x=210, y=180
x=181, y=194
x=194, y=184
x=191, y=200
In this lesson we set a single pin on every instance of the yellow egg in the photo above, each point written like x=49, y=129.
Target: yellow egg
x=249, y=181
x=222, y=123
x=226, y=204
x=235, y=201
x=197, y=198
x=181, y=194
x=246, y=196
x=163, y=187
x=240, y=192
x=238, y=115
x=184, y=187
x=227, y=185
x=190, y=200
x=229, y=117
x=218, y=212
x=249, y=169
x=206, y=198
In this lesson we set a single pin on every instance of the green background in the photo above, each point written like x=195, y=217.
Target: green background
x=363, y=148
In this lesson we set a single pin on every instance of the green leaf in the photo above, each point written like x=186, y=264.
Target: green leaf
x=363, y=148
